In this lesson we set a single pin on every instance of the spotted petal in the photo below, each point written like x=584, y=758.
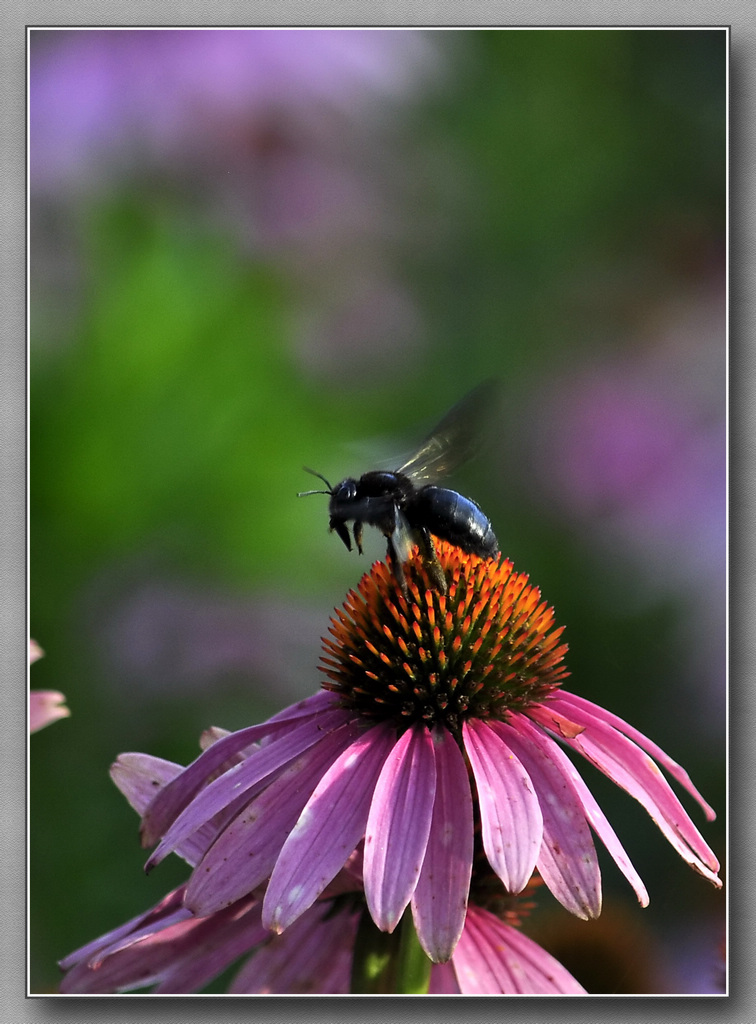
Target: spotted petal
x=511, y=819
x=329, y=828
x=312, y=957
x=242, y=777
x=600, y=825
x=243, y=855
x=169, y=803
x=567, y=861
x=631, y=768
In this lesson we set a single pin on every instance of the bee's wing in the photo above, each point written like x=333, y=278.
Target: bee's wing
x=401, y=538
x=455, y=439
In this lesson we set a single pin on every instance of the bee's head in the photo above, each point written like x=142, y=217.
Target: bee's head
x=340, y=496
x=340, y=507
x=345, y=491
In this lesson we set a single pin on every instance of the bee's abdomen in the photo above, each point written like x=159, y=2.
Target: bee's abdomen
x=455, y=519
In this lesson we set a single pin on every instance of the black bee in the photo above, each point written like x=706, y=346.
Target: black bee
x=407, y=508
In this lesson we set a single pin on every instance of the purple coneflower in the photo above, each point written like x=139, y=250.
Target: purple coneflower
x=436, y=709
x=175, y=952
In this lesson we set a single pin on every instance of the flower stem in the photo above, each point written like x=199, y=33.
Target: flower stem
x=414, y=966
x=384, y=964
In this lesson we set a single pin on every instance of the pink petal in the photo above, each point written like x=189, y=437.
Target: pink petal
x=632, y=769
x=604, y=830
x=558, y=724
x=174, y=798
x=398, y=825
x=494, y=959
x=510, y=816
x=133, y=967
x=440, y=898
x=242, y=777
x=329, y=828
x=244, y=854
x=35, y=652
x=145, y=935
x=212, y=735
x=45, y=706
x=140, y=777
x=181, y=954
x=313, y=957
x=675, y=770
x=218, y=942
x=146, y=922
x=567, y=861
x=443, y=981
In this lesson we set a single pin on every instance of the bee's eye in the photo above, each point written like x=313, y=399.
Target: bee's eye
x=346, y=490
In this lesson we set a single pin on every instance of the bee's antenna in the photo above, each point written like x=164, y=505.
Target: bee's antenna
x=303, y=494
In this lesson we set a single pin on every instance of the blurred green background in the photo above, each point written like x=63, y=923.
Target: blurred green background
x=256, y=250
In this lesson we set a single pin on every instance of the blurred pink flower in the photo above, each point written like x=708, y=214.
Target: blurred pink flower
x=286, y=136
x=101, y=100
x=630, y=449
x=636, y=444
x=45, y=706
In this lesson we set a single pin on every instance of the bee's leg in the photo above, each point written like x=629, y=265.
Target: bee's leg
x=341, y=528
x=396, y=565
x=430, y=559
x=357, y=530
